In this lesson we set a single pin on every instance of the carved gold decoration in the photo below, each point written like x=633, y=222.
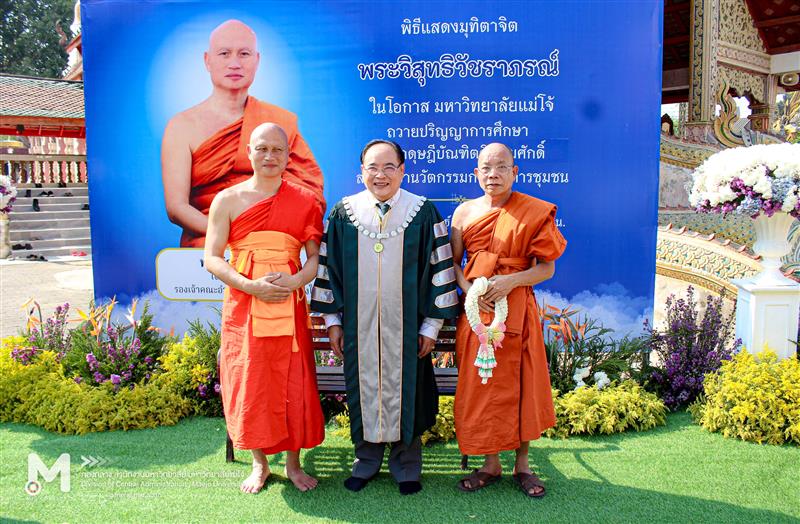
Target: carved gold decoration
x=743, y=82
x=736, y=26
x=702, y=261
x=738, y=229
x=676, y=152
x=728, y=116
x=703, y=62
x=737, y=56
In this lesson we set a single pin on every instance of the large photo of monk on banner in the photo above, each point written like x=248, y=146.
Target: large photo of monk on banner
x=203, y=150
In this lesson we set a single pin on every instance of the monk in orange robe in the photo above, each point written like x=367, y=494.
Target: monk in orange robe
x=267, y=367
x=511, y=239
x=204, y=148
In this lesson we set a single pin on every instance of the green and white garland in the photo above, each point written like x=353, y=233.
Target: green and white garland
x=491, y=336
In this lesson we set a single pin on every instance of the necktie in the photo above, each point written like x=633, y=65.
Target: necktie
x=383, y=207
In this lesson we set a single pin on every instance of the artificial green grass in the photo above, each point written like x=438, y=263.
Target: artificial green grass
x=678, y=473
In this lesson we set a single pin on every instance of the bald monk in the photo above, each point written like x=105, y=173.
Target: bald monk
x=204, y=148
x=267, y=369
x=511, y=239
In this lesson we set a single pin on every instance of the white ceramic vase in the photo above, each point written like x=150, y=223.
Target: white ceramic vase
x=772, y=244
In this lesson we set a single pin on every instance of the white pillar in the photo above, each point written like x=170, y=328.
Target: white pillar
x=768, y=314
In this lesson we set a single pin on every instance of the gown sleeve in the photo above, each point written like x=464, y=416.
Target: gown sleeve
x=327, y=297
x=438, y=295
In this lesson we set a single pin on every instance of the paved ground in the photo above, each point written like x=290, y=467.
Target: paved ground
x=51, y=283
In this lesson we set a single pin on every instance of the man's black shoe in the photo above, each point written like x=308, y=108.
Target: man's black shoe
x=43, y=193
x=356, y=483
x=410, y=487
x=27, y=193
x=38, y=184
x=85, y=207
x=36, y=205
x=62, y=184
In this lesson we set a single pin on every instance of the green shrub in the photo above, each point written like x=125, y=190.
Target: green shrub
x=102, y=351
x=585, y=351
x=755, y=398
x=190, y=366
x=613, y=409
x=443, y=430
x=39, y=394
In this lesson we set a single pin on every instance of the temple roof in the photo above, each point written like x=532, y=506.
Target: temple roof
x=778, y=24
x=41, y=107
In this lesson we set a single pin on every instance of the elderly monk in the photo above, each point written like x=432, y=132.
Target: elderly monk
x=386, y=282
x=267, y=369
x=511, y=239
x=204, y=147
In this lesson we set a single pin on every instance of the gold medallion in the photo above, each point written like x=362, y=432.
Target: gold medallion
x=378, y=247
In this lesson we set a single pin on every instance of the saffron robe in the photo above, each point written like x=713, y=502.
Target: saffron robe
x=221, y=161
x=516, y=404
x=267, y=368
x=383, y=298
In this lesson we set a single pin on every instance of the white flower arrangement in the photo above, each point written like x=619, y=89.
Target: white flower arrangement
x=580, y=374
x=8, y=194
x=490, y=337
x=601, y=380
x=749, y=181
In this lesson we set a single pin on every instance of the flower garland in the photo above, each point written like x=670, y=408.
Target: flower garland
x=490, y=337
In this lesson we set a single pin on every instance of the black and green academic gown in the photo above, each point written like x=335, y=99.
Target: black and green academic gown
x=384, y=275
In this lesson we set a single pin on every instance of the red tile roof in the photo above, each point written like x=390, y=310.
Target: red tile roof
x=40, y=97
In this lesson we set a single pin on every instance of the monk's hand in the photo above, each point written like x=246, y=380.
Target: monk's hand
x=485, y=305
x=267, y=291
x=499, y=287
x=286, y=280
x=425, y=346
x=336, y=337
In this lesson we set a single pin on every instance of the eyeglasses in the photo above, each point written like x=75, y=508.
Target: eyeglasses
x=386, y=170
x=501, y=170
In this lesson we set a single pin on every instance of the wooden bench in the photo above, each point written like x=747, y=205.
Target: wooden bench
x=330, y=379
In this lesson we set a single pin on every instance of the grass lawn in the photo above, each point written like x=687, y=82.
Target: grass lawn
x=678, y=473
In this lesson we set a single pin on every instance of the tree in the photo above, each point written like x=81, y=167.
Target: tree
x=29, y=43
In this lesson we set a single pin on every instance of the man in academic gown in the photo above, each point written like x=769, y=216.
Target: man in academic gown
x=386, y=282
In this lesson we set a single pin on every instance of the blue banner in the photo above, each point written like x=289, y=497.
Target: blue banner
x=573, y=88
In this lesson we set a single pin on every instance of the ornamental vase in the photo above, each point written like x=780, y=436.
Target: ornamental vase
x=772, y=244
x=5, y=236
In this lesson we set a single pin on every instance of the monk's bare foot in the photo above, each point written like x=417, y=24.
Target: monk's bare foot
x=301, y=480
x=256, y=480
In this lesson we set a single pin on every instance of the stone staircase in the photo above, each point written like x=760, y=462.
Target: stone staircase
x=59, y=229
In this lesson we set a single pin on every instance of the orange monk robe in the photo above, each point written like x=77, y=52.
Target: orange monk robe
x=516, y=404
x=221, y=161
x=267, y=367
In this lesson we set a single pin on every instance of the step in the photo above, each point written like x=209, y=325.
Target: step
x=47, y=206
x=48, y=186
x=46, y=234
x=44, y=222
x=47, y=215
x=57, y=191
x=48, y=252
x=38, y=245
x=21, y=202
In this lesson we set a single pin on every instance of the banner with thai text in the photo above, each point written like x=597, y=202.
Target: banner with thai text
x=573, y=88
